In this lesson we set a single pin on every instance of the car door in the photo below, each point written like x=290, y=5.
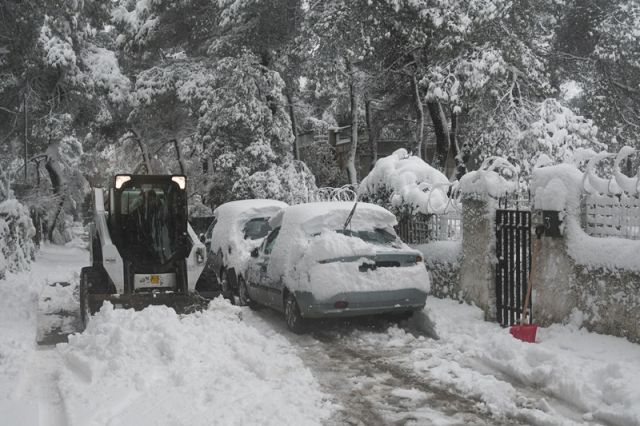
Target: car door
x=252, y=274
x=273, y=285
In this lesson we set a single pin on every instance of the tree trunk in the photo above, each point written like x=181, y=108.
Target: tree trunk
x=417, y=101
x=373, y=135
x=56, y=182
x=183, y=168
x=442, y=138
x=353, y=96
x=143, y=150
x=456, y=153
x=294, y=125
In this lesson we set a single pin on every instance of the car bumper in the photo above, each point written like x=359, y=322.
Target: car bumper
x=362, y=303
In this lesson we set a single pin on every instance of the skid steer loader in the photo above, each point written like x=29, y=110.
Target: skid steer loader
x=143, y=252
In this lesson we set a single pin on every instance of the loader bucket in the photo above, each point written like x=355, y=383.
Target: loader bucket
x=182, y=304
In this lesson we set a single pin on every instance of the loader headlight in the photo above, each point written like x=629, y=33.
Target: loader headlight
x=180, y=180
x=121, y=180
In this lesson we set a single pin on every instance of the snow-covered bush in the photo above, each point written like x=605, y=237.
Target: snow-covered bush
x=16, y=232
x=404, y=183
x=291, y=183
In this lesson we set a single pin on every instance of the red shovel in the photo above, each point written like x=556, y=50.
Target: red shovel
x=527, y=332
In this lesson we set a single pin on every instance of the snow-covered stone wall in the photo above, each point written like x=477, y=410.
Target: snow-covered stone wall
x=593, y=279
x=442, y=259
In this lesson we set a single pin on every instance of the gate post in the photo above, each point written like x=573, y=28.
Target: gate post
x=554, y=277
x=477, y=267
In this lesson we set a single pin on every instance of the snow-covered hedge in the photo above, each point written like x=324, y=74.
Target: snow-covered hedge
x=16, y=232
x=401, y=182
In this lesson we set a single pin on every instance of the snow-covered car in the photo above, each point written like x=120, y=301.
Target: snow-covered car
x=238, y=228
x=331, y=260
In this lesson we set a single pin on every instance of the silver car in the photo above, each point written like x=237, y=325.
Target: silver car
x=336, y=259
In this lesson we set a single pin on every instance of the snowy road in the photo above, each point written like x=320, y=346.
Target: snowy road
x=370, y=385
x=230, y=365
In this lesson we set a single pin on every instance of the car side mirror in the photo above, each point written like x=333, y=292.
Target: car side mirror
x=202, y=238
x=254, y=252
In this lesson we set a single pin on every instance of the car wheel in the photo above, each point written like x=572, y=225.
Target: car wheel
x=227, y=293
x=243, y=295
x=295, y=321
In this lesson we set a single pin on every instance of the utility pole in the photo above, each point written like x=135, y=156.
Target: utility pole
x=26, y=139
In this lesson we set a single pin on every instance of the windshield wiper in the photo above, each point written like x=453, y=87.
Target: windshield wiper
x=348, y=221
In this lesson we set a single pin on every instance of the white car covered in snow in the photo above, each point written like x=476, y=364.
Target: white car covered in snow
x=331, y=260
x=238, y=227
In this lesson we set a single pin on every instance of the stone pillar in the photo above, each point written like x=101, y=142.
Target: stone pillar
x=553, y=280
x=477, y=267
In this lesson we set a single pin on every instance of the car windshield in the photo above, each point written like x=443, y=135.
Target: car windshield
x=376, y=236
x=257, y=228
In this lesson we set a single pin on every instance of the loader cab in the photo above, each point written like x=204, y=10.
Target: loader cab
x=148, y=222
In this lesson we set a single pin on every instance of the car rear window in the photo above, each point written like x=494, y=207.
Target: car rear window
x=376, y=236
x=257, y=228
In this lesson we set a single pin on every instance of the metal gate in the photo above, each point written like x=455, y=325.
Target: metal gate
x=513, y=250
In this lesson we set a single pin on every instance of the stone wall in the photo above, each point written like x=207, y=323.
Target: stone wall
x=477, y=266
x=442, y=259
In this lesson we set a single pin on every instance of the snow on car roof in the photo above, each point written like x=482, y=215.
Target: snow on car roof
x=331, y=215
x=228, y=235
x=233, y=208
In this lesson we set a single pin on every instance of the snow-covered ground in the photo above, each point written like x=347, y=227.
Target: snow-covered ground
x=229, y=365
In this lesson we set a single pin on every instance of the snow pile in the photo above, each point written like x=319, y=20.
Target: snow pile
x=496, y=178
x=18, y=313
x=155, y=367
x=308, y=235
x=228, y=234
x=16, y=232
x=402, y=181
x=569, y=374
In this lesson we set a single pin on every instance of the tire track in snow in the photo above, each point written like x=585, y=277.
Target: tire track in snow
x=435, y=404
x=369, y=387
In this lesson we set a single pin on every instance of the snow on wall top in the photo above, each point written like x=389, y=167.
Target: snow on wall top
x=560, y=187
x=228, y=235
x=557, y=188
x=495, y=178
x=411, y=182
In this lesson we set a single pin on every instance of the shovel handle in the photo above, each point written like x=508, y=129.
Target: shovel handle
x=536, y=249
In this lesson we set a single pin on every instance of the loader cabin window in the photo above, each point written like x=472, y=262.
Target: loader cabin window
x=149, y=221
